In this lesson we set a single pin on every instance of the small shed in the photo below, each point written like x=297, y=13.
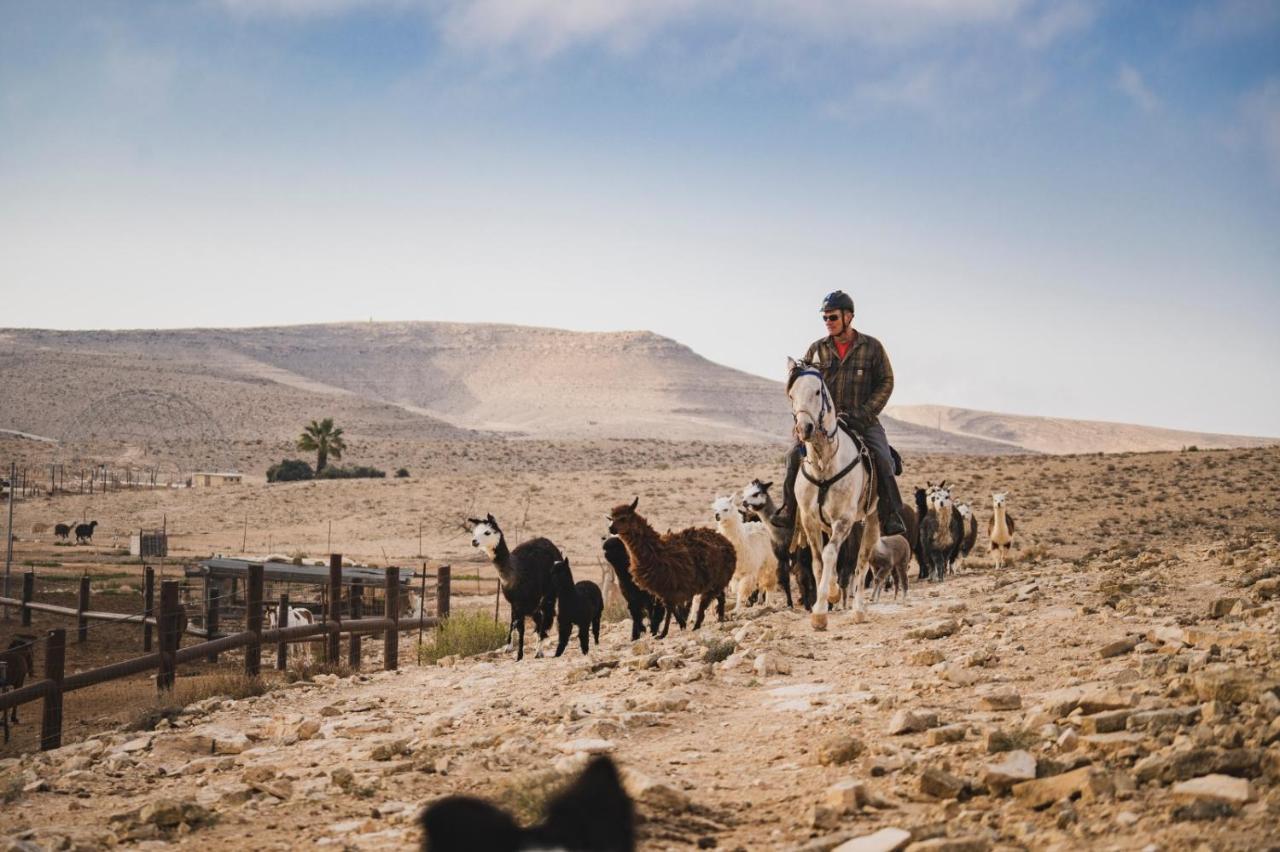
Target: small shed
x=149, y=543
x=210, y=479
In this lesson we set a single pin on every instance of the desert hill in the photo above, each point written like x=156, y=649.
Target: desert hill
x=1058, y=435
x=421, y=380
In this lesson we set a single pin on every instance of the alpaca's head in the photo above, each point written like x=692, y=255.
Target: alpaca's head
x=623, y=517
x=615, y=551
x=997, y=500
x=965, y=511
x=561, y=572
x=724, y=509
x=485, y=534
x=756, y=495
x=939, y=497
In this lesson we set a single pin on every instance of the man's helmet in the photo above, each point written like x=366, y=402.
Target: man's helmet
x=837, y=300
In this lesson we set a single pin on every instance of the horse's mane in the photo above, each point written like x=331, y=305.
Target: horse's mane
x=797, y=370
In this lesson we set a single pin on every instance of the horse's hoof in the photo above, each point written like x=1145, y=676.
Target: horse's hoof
x=818, y=620
x=859, y=616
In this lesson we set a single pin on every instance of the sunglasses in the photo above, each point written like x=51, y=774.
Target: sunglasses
x=830, y=317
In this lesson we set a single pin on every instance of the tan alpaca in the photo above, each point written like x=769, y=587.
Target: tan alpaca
x=1000, y=530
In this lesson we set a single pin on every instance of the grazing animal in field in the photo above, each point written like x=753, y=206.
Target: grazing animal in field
x=676, y=566
x=889, y=560
x=1000, y=529
x=62, y=531
x=297, y=615
x=937, y=532
x=792, y=560
x=757, y=568
x=969, y=523
x=640, y=603
x=593, y=814
x=84, y=532
x=16, y=664
x=578, y=604
x=525, y=576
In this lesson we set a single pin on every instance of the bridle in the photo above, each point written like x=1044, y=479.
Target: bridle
x=860, y=454
x=827, y=405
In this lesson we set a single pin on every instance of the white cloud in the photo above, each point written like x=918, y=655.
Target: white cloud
x=1130, y=82
x=1057, y=21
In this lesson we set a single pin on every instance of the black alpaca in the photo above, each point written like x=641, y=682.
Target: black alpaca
x=84, y=532
x=16, y=664
x=640, y=603
x=922, y=559
x=62, y=531
x=525, y=575
x=579, y=604
x=593, y=814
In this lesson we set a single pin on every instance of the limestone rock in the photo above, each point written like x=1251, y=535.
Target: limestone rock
x=884, y=840
x=823, y=817
x=1003, y=698
x=1227, y=683
x=1216, y=788
x=927, y=657
x=587, y=746
x=1118, y=648
x=945, y=734
x=1088, y=782
x=938, y=629
x=1016, y=767
x=952, y=844
x=1106, y=722
x=840, y=749
x=941, y=784
x=846, y=796
x=912, y=721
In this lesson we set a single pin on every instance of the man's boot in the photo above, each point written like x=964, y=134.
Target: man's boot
x=786, y=516
x=887, y=507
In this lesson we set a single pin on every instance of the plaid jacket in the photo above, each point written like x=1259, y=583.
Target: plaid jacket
x=860, y=385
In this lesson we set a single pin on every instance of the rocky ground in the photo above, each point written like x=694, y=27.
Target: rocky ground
x=1130, y=703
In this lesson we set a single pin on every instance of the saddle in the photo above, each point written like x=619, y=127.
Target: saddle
x=861, y=444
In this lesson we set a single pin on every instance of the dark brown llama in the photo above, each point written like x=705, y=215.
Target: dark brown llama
x=676, y=566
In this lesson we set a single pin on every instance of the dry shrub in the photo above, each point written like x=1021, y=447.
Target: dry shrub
x=306, y=670
x=189, y=690
x=616, y=610
x=10, y=787
x=526, y=797
x=463, y=634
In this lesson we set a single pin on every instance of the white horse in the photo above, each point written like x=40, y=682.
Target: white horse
x=297, y=615
x=834, y=491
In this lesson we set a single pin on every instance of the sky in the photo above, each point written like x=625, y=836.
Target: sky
x=1057, y=208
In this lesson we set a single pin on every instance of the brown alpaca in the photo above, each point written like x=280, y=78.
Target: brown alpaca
x=676, y=566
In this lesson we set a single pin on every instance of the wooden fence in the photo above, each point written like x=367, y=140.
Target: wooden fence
x=165, y=661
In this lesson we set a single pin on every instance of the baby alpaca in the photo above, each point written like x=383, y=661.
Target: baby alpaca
x=889, y=559
x=580, y=604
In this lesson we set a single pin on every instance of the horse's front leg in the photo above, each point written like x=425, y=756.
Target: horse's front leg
x=825, y=573
x=831, y=557
x=870, y=536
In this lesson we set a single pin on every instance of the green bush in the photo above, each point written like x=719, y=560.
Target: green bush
x=463, y=634
x=355, y=471
x=402, y=473
x=290, y=470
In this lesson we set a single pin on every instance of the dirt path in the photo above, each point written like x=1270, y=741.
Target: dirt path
x=732, y=753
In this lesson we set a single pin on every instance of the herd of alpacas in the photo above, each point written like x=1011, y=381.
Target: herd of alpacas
x=748, y=555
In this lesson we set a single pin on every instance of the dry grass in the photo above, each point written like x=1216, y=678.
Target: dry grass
x=306, y=670
x=526, y=797
x=464, y=634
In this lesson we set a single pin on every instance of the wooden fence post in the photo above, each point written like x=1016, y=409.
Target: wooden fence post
x=253, y=621
x=148, y=604
x=333, y=641
x=357, y=610
x=212, y=602
x=167, y=622
x=82, y=623
x=282, y=619
x=391, y=639
x=28, y=592
x=55, y=657
x=442, y=591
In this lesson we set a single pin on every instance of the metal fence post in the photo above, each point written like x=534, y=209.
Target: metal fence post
x=82, y=623
x=168, y=630
x=282, y=620
x=28, y=593
x=148, y=604
x=333, y=639
x=357, y=610
x=253, y=621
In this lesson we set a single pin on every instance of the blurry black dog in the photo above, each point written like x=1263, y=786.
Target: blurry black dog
x=593, y=814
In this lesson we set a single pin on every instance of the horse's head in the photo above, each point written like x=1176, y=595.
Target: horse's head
x=623, y=516
x=811, y=405
x=485, y=533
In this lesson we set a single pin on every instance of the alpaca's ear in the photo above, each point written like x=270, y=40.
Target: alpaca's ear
x=471, y=523
x=764, y=486
x=608, y=518
x=635, y=502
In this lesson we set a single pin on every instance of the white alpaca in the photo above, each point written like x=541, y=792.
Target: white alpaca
x=1000, y=530
x=297, y=615
x=757, y=567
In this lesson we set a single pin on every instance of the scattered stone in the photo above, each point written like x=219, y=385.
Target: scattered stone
x=1003, y=698
x=938, y=629
x=941, y=784
x=846, y=796
x=1014, y=768
x=1265, y=590
x=1101, y=699
x=587, y=746
x=1221, y=607
x=952, y=844
x=654, y=792
x=1068, y=741
x=1216, y=788
x=1106, y=722
x=912, y=721
x=1227, y=683
x=884, y=840
x=840, y=749
x=927, y=657
x=961, y=676
x=823, y=817
x=1087, y=782
x=945, y=734
x=1154, y=721
x=1184, y=764
x=1202, y=810
x=1118, y=648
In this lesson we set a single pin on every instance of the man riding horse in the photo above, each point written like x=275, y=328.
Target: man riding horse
x=857, y=372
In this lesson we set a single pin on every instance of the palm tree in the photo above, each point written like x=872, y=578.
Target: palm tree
x=323, y=439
